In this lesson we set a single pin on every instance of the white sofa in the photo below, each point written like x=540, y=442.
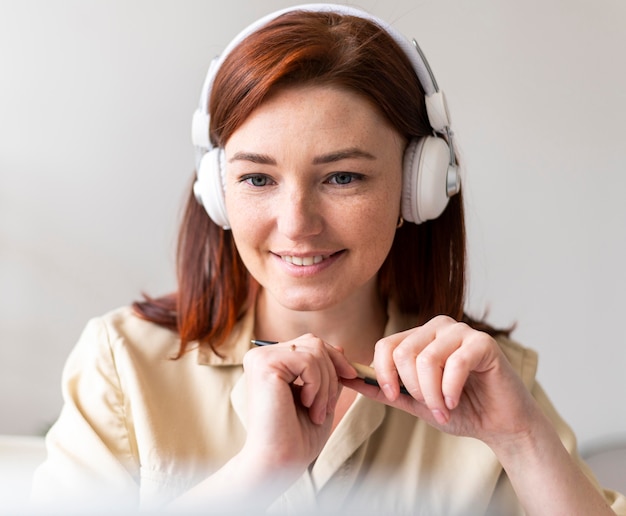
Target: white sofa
x=19, y=456
x=607, y=459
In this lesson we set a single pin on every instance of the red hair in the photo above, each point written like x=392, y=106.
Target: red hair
x=424, y=272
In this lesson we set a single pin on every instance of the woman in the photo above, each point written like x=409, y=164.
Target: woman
x=336, y=230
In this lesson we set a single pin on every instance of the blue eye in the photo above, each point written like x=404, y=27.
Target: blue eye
x=344, y=178
x=256, y=180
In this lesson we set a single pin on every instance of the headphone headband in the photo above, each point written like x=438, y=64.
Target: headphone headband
x=436, y=105
x=423, y=198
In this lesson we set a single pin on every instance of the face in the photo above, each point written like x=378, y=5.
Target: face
x=313, y=187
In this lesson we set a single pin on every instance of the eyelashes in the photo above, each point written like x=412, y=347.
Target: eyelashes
x=337, y=178
x=256, y=180
x=345, y=178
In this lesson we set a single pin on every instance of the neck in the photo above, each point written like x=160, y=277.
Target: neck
x=355, y=325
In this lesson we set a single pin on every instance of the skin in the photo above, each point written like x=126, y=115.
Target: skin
x=331, y=194
x=316, y=172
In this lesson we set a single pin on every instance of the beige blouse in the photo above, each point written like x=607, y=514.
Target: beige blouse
x=138, y=429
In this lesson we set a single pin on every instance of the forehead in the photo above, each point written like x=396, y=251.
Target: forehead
x=314, y=111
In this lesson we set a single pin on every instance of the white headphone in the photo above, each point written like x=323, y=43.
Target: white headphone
x=430, y=172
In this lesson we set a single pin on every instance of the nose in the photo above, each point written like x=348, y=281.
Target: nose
x=299, y=213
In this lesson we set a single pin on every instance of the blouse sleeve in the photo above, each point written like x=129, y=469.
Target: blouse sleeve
x=93, y=428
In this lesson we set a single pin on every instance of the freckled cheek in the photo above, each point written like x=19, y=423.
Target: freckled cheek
x=245, y=222
x=231, y=203
x=383, y=218
x=376, y=224
x=386, y=209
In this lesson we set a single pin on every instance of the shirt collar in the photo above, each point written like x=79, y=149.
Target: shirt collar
x=238, y=343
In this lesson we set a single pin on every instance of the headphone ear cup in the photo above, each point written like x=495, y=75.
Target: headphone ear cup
x=209, y=188
x=424, y=181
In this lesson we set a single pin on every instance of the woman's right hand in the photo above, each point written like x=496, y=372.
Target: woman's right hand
x=292, y=390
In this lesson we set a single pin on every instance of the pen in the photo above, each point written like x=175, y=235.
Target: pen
x=365, y=373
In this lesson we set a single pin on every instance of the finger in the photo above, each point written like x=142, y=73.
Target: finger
x=341, y=364
x=328, y=388
x=319, y=379
x=384, y=364
x=404, y=358
x=408, y=346
x=287, y=362
x=334, y=383
x=367, y=389
x=431, y=363
x=405, y=403
x=414, y=344
x=394, y=357
x=476, y=354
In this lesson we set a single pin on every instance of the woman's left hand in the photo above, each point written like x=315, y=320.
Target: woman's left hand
x=458, y=378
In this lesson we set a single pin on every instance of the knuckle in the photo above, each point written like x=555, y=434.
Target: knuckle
x=401, y=354
x=384, y=344
x=443, y=320
x=458, y=362
x=251, y=357
x=306, y=337
x=312, y=341
x=480, y=340
x=319, y=347
x=463, y=327
x=427, y=359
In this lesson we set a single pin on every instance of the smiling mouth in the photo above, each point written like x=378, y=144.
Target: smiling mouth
x=304, y=261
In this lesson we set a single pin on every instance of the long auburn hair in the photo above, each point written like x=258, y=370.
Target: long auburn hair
x=424, y=272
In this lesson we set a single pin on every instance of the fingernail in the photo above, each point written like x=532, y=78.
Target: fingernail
x=450, y=402
x=388, y=390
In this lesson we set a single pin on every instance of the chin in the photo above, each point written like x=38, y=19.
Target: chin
x=311, y=302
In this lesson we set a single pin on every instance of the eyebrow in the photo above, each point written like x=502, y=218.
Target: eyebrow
x=351, y=153
x=253, y=157
x=332, y=157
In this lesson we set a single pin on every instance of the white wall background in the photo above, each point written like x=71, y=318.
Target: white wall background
x=95, y=107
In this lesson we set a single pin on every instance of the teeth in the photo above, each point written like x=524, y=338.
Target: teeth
x=303, y=261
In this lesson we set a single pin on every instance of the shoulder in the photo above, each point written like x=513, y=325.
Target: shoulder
x=122, y=332
x=124, y=327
